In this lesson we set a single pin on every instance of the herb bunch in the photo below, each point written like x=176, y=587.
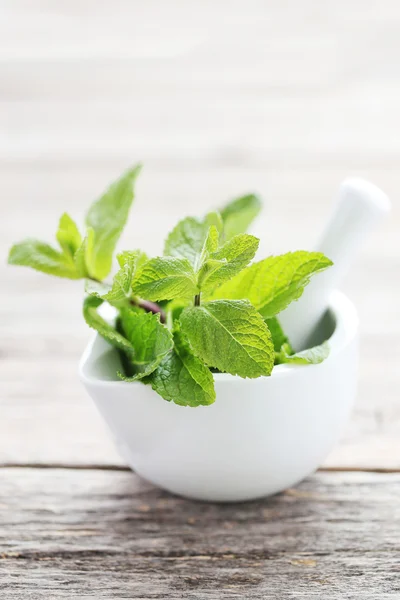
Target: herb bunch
x=202, y=307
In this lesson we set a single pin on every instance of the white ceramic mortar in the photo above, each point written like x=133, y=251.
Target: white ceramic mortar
x=261, y=435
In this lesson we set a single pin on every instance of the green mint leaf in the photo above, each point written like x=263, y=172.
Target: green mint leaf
x=107, y=217
x=42, y=257
x=165, y=278
x=139, y=258
x=239, y=214
x=312, y=356
x=173, y=310
x=231, y=336
x=83, y=257
x=278, y=336
x=274, y=282
x=99, y=289
x=210, y=268
x=68, y=235
x=120, y=292
x=121, y=289
x=182, y=378
x=214, y=219
x=107, y=331
x=226, y=262
x=189, y=236
x=210, y=244
x=150, y=339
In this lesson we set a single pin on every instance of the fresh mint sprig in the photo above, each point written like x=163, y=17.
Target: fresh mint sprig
x=92, y=256
x=202, y=307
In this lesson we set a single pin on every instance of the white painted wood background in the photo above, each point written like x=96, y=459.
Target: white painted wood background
x=216, y=98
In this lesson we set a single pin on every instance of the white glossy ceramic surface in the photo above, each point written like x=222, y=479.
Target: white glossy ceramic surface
x=261, y=435
x=358, y=210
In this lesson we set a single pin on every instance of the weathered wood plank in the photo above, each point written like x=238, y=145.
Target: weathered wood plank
x=96, y=534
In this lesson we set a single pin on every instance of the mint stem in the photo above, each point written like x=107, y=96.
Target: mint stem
x=197, y=300
x=150, y=307
x=145, y=304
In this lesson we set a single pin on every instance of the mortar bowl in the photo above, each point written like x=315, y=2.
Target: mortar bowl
x=258, y=438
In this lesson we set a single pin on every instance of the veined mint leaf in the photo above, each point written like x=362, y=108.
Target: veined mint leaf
x=210, y=244
x=165, y=278
x=173, y=310
x=239, y=214
x=312, y=356
x=68, y=235
x=182, y=378
x=42, y=257
x=186, y=240
x=207, y=270
x=107, y=331
x=121, y=289
x=214, y=219
x=120, y=292
x=83, y=257
x=139, y=258
x=274, y=282
x=150, y=339
x=278, y=336
x=229, y=260
x=99, y=289
x=231, y=336
x=188, y=237
x=107, y=217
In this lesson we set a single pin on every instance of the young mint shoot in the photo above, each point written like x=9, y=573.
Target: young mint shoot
x=203, y=307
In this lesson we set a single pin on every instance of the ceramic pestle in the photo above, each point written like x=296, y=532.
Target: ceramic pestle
x=359, y=208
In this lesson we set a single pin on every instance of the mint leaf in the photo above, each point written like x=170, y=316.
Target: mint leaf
x=83, y=257
x=182, y=378
x=139, y=258
x=239, y=214
x=107, y=217
x=120, y=292
x=99, y=289
x=226, y=262
x=274, y=282
x=187, y=239
x=121, y=289
x=210, y=244
x=214, y=219
x=312, y=356
x=231, y=336
x=107, y=331
x=68, y=235
x=278, y=336
x=150, y=339
x=173, y=310
x=165, y=278
x=42, y=257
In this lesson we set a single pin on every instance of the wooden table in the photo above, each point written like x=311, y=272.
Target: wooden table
x=284, y=98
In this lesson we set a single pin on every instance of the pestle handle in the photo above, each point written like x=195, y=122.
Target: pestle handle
x=359, y=208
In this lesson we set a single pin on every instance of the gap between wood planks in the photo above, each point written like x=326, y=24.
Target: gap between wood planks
x=105, y=467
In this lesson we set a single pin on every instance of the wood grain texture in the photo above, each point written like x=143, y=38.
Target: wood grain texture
x=283, y=98
x=93, y=534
